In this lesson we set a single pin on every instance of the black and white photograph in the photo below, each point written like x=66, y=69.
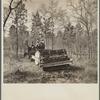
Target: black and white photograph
x=50, y=41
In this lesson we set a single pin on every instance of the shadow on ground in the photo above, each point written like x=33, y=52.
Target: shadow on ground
x=66, y=68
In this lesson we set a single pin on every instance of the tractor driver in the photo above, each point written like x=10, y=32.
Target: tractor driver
x=33, y=47
x=37, y=44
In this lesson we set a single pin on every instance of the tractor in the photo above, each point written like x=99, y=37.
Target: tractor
x=48, y=58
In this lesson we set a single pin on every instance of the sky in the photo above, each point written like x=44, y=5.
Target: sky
x=32, y=7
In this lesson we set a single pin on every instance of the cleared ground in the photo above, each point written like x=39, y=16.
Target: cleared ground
x=25, y=71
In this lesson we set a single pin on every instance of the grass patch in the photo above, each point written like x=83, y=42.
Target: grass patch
x=25, y=71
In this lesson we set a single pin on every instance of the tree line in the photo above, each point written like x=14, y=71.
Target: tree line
x=54, y=25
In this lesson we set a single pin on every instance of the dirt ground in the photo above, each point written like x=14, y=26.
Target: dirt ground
x=25, y=71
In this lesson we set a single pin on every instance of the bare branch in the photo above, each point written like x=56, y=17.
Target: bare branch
x=17, y=4
x=10, y=10
x=10, y=4
x=84, y=4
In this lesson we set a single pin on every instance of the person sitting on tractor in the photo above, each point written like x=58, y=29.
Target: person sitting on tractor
x=42, y=44
x=37, y=44
x=32, y=47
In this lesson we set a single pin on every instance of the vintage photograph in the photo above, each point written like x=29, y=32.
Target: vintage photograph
x=50, y=41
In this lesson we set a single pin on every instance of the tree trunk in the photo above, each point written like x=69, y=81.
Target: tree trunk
x=22, y=45
x=17, y=36
x=52, y=32
x=7, y=18
x=17, y=46
x=48, y=43
x=52, y=40
x=12, y=45
x=91, y=53
x=88, y=33
x=80, y=52
x=77, y=53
